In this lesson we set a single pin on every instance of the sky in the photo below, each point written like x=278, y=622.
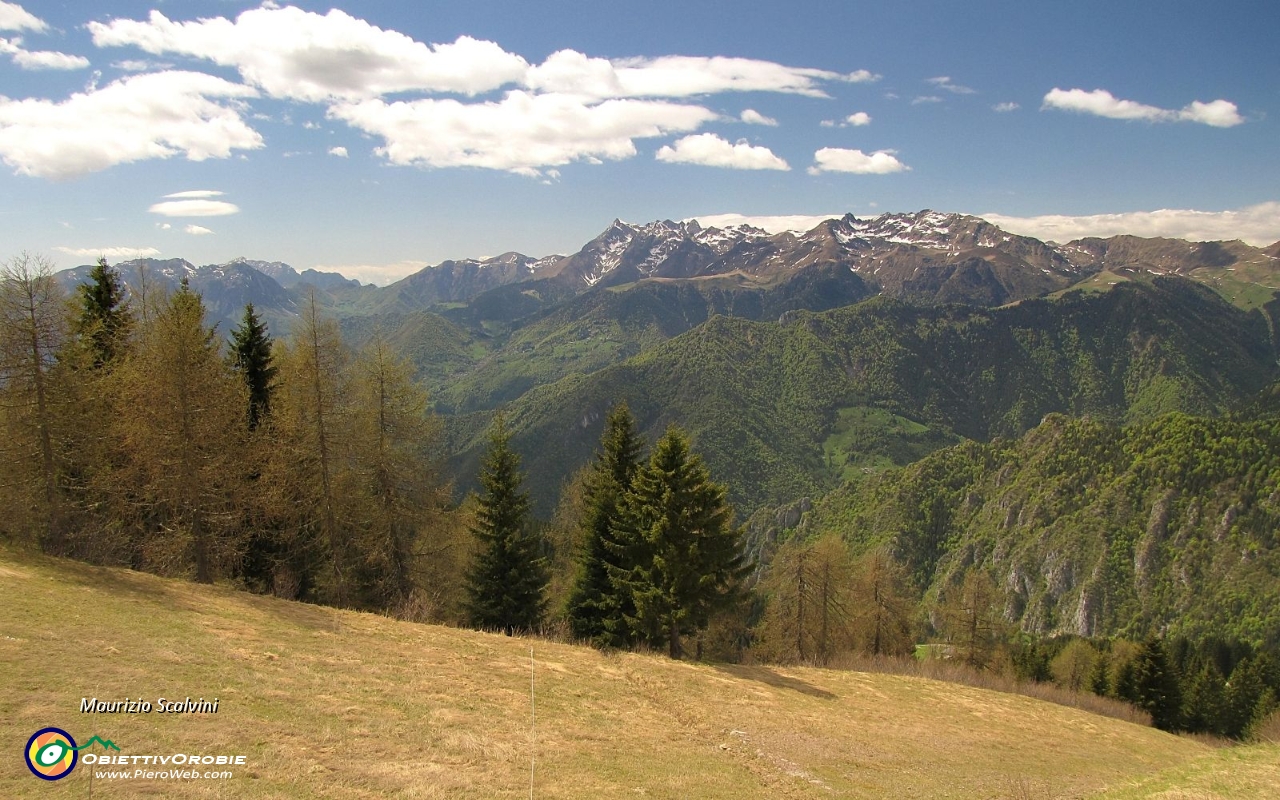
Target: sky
x=375, y=138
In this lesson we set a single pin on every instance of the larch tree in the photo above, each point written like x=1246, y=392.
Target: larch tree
x=971, y=619
x=305, y=469
x=507, y=581
x=808, y=617
x=180, y=421
x=884, y=609
x=393, y=454
x=597, y=609
x=680, y=550
x=32, y=330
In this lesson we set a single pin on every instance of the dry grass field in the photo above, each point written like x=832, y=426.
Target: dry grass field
x=348, y=705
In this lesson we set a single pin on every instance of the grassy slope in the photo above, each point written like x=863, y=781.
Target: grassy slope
x=355, y=705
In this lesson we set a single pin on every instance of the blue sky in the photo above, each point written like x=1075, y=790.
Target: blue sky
x=377, y=137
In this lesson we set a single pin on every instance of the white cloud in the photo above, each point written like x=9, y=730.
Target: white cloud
x=380, y=274
x=1100, y=102
x=929, y=98
x=753, y=117
x=164, y=226
x=1005, y=108
x=522, y=133
x=194, y=194
x=835, y=159
x=111, y=253
x=139, y=65
x=710, y=150
x=858, y=119
x=1257, y=225
x=340, y=152
x=194, y=208
x=301, y=55
x=14, y=17
x=571, y=72
x=197, y=230
x=944, y=83
x=861, y=76
x=158, y=115
x=40, y=59
x=796, y=223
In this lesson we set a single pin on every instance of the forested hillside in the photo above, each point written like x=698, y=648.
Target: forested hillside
x=787, y=409
x=1168, y=526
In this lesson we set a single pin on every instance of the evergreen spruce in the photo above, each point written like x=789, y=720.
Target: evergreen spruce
x=597, y=610
x=1158, y=689
x=508, y=578
x=105, y=321
x=251, y=355
x=1100, y=676
x=684, y=554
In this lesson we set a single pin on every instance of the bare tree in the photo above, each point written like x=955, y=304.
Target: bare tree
x=33, y=326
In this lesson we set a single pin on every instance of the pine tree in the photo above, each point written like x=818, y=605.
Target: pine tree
x=597, y=610
x=1100, y=676
x=251, y=355
x=675, y=531
x=1157, y=685
x=105, y=322
x=508, y=578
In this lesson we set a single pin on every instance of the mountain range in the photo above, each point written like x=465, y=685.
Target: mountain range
x=797, y=359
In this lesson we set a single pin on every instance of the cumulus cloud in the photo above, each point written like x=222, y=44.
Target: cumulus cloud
x=522, y=133
x=110, y=253
x=300, y=55
x=835, y=159
x=340, y=152
x=14, y=17
x=158, y=115
x=710, y=150
x=197, y=230
x=753, y=117
x=796, y=223
x=40, y=59
x=1257, y=225
x=1101, y=103
x=1005, y=108
x=194, y=208
x=944, y=83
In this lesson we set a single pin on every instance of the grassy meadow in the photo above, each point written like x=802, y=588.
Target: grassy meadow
x=351, y=705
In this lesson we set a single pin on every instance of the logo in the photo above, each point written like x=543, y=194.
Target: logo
x=51, y=754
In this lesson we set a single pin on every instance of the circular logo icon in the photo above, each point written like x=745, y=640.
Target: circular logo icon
x=51, y=754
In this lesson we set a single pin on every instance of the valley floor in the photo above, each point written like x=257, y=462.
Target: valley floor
x=341, y=704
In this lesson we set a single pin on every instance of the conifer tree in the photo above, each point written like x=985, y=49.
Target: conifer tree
x=398, y=487
x=596, y=608
x=882, y=598
x=1157, y=686
x=251, y=355
x=32, y=330
x=179, y=423
x=508, y=577
x=676, y=534
x=105, y=322
x=971, y=618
